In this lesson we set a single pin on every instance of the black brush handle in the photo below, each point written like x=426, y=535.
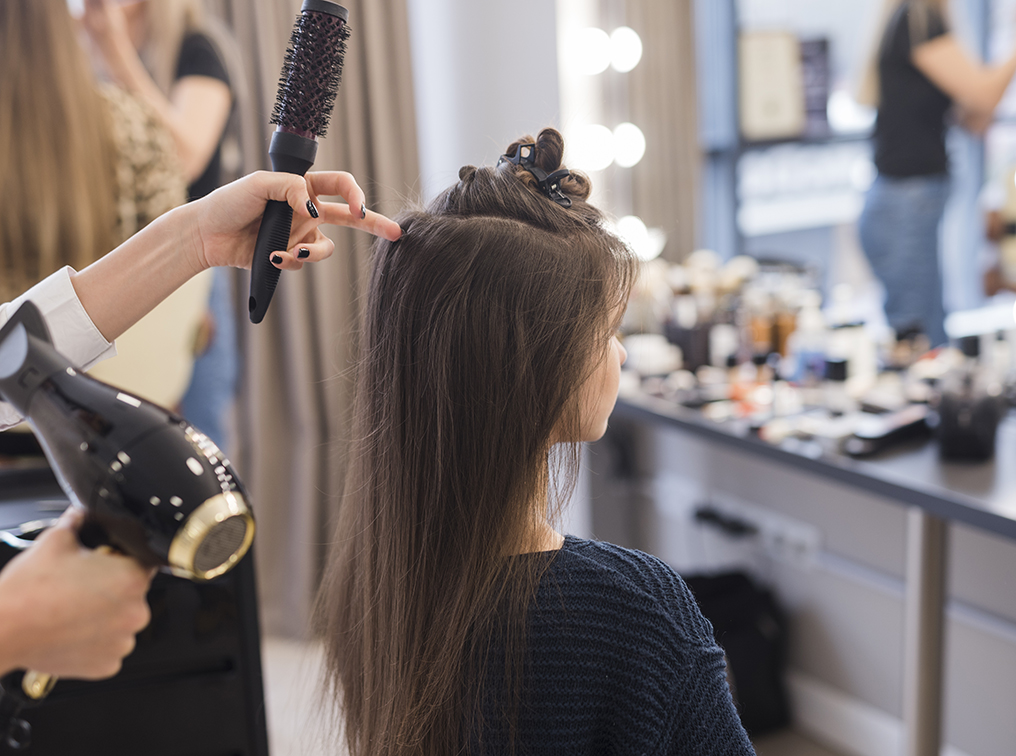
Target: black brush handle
x=290, y=153
x=264, y=277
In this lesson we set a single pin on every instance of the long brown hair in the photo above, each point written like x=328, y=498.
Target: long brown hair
x=481, y=324
x=57, y=193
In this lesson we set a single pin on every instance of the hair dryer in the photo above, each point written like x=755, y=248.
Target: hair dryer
x=152, y=486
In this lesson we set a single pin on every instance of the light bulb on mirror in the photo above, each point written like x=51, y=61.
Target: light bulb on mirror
x=594, y=147
x=625, y=49
x=591, y=51
x=629, y=144
x=646, y=243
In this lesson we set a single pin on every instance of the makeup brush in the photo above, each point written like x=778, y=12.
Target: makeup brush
x=307, y=88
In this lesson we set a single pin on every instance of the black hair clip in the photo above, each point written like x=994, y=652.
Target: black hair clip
x=550, y=184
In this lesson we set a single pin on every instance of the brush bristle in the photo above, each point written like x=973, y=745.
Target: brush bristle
x=311, y=73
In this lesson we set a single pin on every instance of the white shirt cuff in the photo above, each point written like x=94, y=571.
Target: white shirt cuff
x=74, y=334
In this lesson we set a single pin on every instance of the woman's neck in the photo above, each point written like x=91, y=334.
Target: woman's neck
x=541, y=536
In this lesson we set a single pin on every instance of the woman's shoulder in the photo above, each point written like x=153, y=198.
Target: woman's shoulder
x=617, y=631
x=606, y=578
x=926, y=20
x=611, y=559
x=200, y=56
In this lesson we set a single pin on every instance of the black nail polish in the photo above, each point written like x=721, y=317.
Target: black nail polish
x=303, y=254
x=311, y=209
x=277, y=259
x=363, y=210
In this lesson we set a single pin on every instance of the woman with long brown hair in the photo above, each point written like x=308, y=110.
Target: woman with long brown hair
x=85, y=166
x=456, y=619
x=182, y=62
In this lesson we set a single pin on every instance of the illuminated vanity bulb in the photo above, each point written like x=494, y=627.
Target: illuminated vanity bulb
x=591, y=50
x=625, y=49
x=646, y=243
x=629, y=144
x=594, y=147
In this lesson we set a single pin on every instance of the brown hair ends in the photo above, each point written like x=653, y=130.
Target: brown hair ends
x=481, y=324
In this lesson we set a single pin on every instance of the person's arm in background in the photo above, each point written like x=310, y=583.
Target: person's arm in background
x=197, y=107
x=975, y=87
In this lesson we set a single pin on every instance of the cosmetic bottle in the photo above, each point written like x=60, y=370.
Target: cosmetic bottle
x=837, y=399
x=759, y=320
x=969, y=407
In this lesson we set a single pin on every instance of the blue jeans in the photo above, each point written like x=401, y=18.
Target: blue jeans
x=899, y=234
x=213, y=384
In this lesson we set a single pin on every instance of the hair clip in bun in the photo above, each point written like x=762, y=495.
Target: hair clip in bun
x=550, y=184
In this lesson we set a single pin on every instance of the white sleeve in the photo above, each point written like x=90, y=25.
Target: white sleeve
x=74, y=334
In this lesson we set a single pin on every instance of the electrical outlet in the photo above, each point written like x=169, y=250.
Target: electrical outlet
x=791, y=541
x=782, y=538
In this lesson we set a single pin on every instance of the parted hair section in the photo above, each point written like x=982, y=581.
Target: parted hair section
x=481, y=324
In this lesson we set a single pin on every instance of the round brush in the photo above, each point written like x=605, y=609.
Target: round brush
x=307, y=87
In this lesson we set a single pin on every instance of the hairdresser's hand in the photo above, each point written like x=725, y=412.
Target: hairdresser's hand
x=67, y=610
x=228, y=219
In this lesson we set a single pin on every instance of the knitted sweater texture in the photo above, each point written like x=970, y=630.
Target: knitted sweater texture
x=619, y=661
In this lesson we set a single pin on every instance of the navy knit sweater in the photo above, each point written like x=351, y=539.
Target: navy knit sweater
x=620, y=661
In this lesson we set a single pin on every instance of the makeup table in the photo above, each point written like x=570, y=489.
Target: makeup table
x=935, y=493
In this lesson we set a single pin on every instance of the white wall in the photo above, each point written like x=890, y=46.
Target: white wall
x=484, y=72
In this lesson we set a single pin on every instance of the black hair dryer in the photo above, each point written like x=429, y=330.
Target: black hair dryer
x=153, y=487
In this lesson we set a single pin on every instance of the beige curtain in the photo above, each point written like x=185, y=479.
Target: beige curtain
x=293, y=410
x=662, y=96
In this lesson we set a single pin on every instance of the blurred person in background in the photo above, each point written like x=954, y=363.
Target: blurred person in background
x=172, y=55
x=85, y=165
x=100, y=162
x=921, y=80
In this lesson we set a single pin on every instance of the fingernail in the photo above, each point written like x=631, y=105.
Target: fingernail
x=363, y=210
x=277, y=259
x=303, y=254
x=311, y=209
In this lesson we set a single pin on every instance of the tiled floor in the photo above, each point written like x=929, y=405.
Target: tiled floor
x=297, y=725
x=789, y=743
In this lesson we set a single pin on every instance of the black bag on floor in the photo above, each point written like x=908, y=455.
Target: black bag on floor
x=751, y=629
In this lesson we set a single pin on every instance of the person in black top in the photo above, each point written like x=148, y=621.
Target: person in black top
x=919, y=77
x=190, y=88
x=199, y=57
x=187, y=86
x=456, y=619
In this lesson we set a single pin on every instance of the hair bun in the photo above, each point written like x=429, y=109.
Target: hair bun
x=549, y=153
x=549, y=150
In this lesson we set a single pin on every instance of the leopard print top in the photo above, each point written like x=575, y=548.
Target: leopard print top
x=149, y=178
